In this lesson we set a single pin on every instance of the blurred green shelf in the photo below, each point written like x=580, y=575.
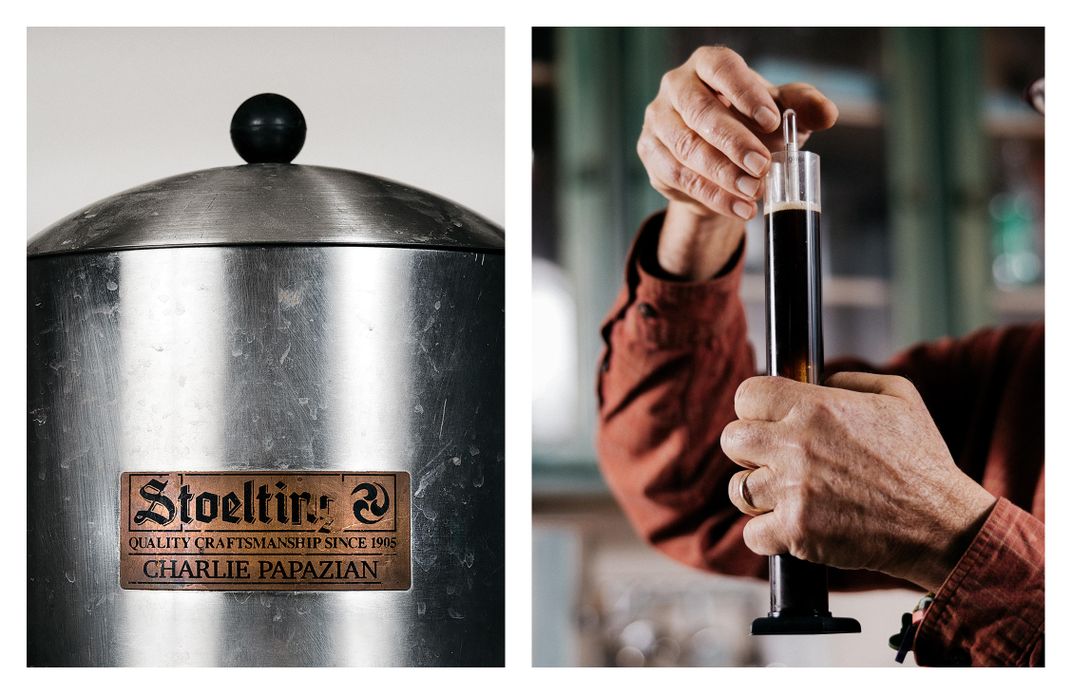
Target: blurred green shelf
x=559, y=478
x=1029, y=301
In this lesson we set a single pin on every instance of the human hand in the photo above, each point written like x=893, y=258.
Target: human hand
x=706, y=145
x=855, y=476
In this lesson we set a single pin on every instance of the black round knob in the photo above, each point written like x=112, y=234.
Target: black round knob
x=268, y=128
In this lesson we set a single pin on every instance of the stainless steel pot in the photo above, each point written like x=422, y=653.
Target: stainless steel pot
x=243, y=328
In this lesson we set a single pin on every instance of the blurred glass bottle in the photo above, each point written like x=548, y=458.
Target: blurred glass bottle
x=1015, y=217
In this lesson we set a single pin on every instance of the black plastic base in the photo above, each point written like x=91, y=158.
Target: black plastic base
x=804, y=625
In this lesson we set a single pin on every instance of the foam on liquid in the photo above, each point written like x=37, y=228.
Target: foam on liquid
x=769, y=207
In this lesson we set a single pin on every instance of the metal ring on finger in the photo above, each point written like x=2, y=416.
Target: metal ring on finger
x=746, y=497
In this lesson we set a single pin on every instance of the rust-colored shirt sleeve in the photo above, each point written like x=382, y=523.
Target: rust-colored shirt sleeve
x=674, y=355
x=991, y=609
x=675, y=352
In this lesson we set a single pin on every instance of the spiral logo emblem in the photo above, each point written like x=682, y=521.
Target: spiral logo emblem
x=372, y=502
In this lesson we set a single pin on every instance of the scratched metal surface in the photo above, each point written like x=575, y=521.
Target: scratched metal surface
x=222, y=358
x=269, y=204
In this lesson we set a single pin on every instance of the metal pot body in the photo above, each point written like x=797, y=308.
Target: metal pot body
x=295, y=358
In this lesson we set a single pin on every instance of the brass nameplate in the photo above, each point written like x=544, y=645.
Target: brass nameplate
x=265, y=530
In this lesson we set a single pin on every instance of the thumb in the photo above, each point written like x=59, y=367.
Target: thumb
x=884, y=384
x=814, y=110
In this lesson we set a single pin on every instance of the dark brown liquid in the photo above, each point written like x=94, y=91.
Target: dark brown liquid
x=794, y=321
x=795, y=351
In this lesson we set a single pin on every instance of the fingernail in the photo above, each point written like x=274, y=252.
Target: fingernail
x=766, y=118
x=754, y=163
x=742, y=210
x=747, y=185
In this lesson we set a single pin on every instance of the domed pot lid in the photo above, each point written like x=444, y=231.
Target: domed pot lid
x=270, y=201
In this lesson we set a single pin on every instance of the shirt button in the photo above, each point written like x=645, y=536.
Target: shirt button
x=646, y=310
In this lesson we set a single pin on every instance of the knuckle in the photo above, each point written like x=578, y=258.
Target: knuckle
x=724, y=67
x=697, y=108
x=723, y=55
x=645, y=144
x=692, y=183
x=651, y=112
x=742, y=435
x=671, y=81
x=899, y=381
x=783, y=390
x=823, y=409
x=727, y=438
x=666, y=82
x=730, y=56
x=739, y=92
x=902, y=387
x=813, y=410
x=706, y=53
x=687, y=144
x=679, y=177
x=750, y=436
x=726, y=141
x=744, y=390
x=722, y=202
x=724, y=171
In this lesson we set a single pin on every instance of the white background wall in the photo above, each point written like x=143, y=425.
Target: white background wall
x=109, y=109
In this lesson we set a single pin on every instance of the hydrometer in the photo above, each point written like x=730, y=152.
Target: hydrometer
x=791, y=209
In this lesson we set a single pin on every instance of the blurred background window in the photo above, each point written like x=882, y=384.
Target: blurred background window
x=932, y=226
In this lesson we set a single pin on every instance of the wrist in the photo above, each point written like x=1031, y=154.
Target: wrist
x=696, y=247
x=964, y=516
